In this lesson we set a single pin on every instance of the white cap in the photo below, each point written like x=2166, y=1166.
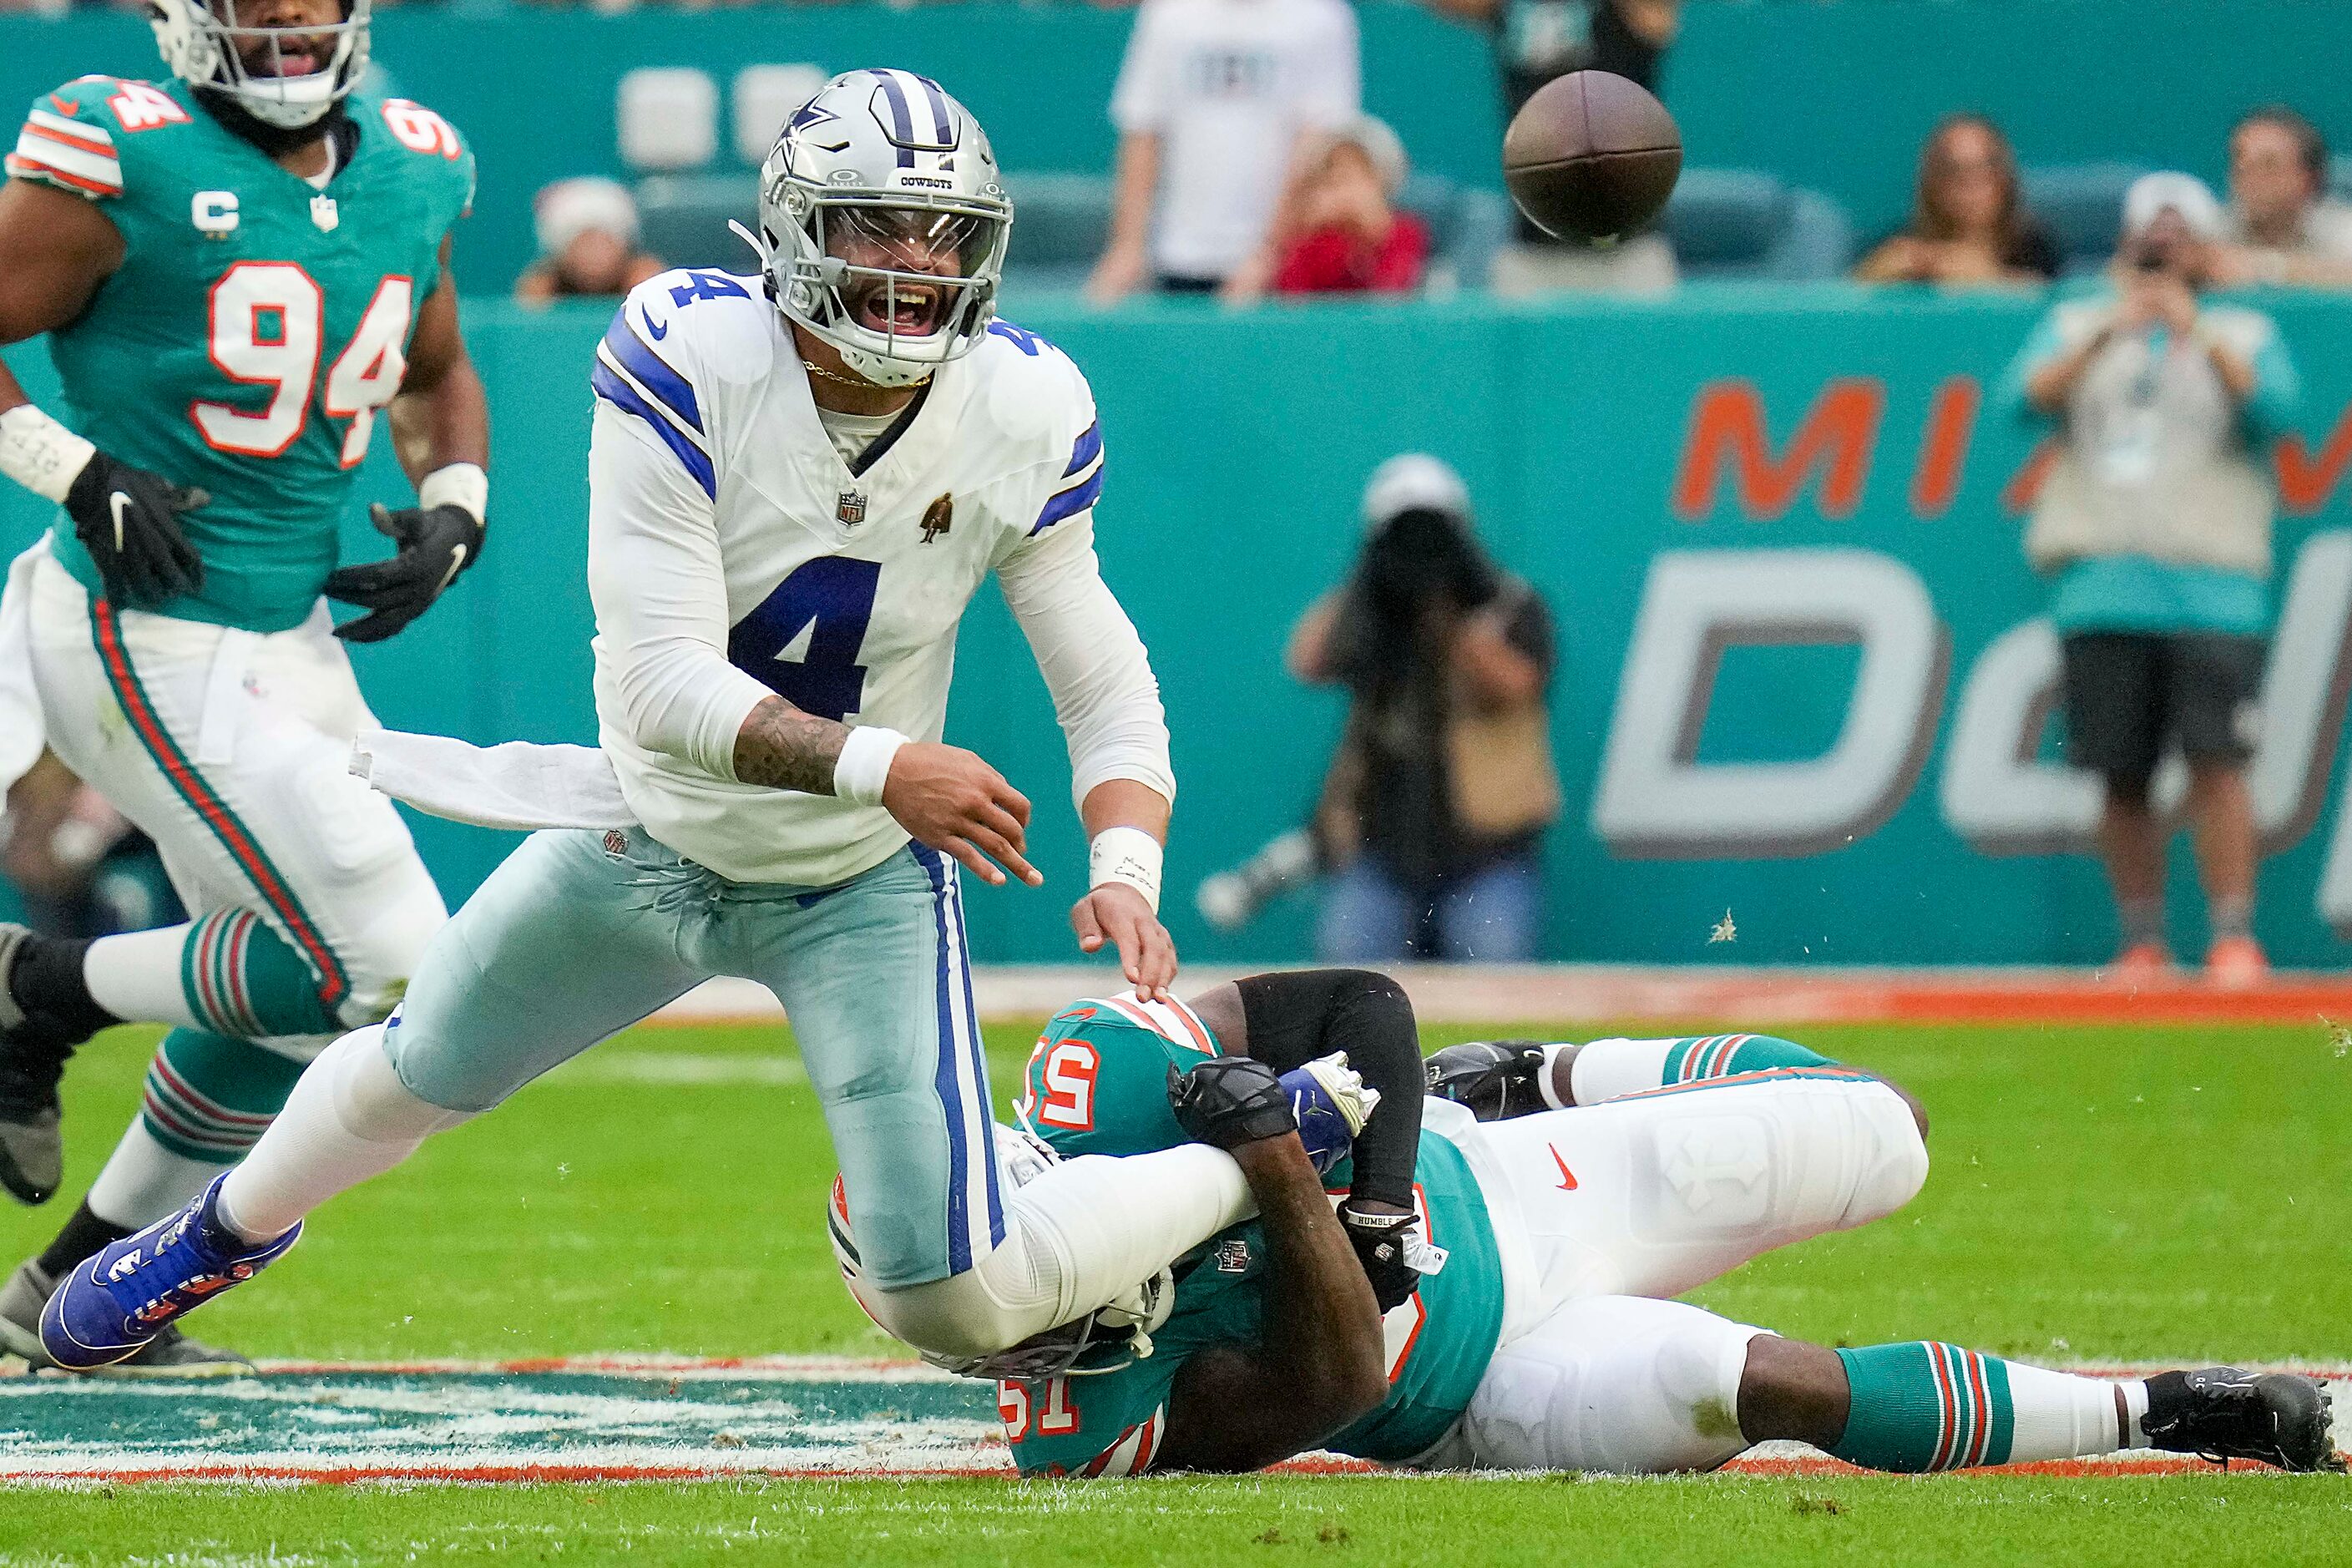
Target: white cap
x=1413, y=481
x=2153, y=195
x=567, y=209
x=1380, y=144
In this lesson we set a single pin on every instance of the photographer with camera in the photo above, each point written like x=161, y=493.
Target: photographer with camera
x=1442, y=785
x=2154, y=523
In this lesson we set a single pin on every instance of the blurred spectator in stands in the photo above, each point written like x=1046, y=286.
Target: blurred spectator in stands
x=2284, y=229
x=1535, y=41
x=587, y=243
x=1218, y=104
x=81, y=869
x=2155, y=521
x=1969, y=226
x=1338, y=231
x=1434, y=807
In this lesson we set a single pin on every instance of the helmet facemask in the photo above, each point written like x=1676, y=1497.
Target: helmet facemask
x=1108, y=1339
x=899, y=282
x=205, y=47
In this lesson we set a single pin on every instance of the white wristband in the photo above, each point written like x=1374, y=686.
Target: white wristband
x=461, y=485
x=864, y=765
x=40, y=454
x=1128, y=854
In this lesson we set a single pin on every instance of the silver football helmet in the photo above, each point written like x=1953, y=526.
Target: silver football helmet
x=883, y=222
x=1114, y=1336
x=201, y=41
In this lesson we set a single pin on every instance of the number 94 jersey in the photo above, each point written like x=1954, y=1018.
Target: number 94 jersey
x=734, y=554
x=256, y=325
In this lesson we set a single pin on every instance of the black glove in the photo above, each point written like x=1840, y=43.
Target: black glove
x=1227, y=1102
x=434, y=546
x=1495, y=1078
x=128, y=520
x=1380, y=1242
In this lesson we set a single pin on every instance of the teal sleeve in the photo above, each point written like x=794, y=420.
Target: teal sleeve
x=2269, y=410
x=1109, y=1424
x=2009, y=398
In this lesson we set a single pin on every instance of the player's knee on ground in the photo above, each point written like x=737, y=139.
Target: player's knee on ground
x=1615, y=1385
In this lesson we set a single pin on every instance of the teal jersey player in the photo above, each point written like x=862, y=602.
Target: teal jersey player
x=237, y=269
x=256, y=324
x=1097, y=1084
x=1573, y=1190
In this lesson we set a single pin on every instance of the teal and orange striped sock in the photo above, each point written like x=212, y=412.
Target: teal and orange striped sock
x=209, y=1097
x=226, y=974
x=1926, y=1405
x=1605, y=1069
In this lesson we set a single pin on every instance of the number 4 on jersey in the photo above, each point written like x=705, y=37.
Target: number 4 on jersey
x=817, y=615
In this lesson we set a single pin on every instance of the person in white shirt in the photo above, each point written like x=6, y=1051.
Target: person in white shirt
x=797, y=480
x=2284, y=229
x=1217, y=100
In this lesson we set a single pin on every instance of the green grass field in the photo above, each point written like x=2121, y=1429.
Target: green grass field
x=2100, y=1195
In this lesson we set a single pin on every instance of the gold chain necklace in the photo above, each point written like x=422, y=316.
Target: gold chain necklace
x=857, y=382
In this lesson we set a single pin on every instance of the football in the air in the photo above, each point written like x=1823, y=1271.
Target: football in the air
x=1591, y=156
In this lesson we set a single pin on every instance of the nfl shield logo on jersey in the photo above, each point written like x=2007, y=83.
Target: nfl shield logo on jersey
x=323, y=214
x=851, y=508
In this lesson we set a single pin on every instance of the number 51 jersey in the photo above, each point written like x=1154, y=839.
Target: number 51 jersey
x=256, y=325
x=723, y=518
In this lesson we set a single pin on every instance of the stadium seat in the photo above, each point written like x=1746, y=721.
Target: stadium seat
x=682, y=218
x=1059, y=224
x=1467, y=225
x=2082, y=205
x=1746, y=222
x=761, y=98
x=666, y=118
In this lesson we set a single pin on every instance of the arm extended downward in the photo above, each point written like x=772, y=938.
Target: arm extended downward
x=1317, y=1363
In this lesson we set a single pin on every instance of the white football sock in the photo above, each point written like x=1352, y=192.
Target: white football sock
x=2134, y=1412
x=2059, y=1415
x=143, y=1181
x=349, y=1118
x=1074, y=1236
x=136, y=978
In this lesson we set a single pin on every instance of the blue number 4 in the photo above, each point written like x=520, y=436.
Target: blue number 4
x=708, y=286
x=832, y=598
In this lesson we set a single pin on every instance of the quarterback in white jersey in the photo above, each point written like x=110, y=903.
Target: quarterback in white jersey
x=798, y=478
x=725, y=517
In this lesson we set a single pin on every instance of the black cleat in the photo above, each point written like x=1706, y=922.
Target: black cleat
x=2227, y=1413
x=33, y=1051
x=1495, y=1078
x=170, y=1353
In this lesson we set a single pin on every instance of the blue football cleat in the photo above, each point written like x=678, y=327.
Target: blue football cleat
x=109, y=1307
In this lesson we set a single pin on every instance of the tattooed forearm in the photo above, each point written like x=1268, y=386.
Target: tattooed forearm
x=784, y=747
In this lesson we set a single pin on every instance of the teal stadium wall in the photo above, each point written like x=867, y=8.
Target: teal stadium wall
x=1836, y=97
x=1599, y=439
